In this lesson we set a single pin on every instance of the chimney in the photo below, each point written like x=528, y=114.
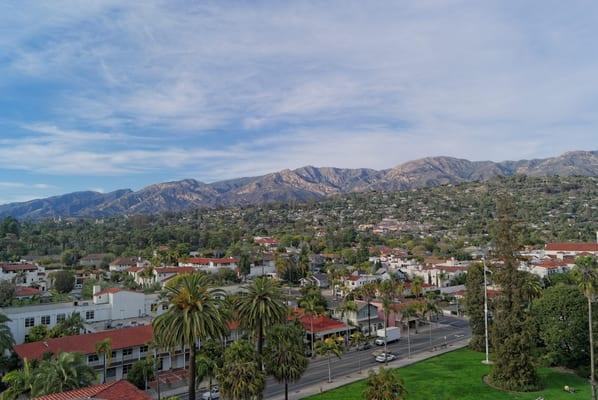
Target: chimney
x=96, y=289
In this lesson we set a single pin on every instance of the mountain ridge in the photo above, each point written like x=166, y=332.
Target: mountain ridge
x=300, y=184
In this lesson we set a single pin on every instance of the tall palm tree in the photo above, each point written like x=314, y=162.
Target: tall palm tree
x=329, y=347
x=6, y=339
x=206, y=368
x=67, y=371
x=285, y=354
x=368, y=292
x=73, y=324
x=417, y=286
x=19, y=382
x=531, y=286
x=313, y=309
x=406, y=315
x=240, y=377
x=384, y=385
x=260, y=306
x=104, y=350
x=194, y=315
x=585, y=274
x=347, y=306
x=431, y=309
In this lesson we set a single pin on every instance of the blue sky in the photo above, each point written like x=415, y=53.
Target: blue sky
x=113, y=94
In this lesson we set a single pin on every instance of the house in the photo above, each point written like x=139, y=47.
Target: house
x=123, y=263
x=561, y=250
x=128, y=346
x=318, y=280
x=117, y=390
x=547, y=267
x=22, y=273
x=26, y=292
x=149, y=276
x=266, y=241
x=210, y=264
x=319, y=326
x=109, y=307
x=355, y=281
x=360, y=317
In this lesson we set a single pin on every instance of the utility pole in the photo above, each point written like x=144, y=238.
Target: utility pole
x=487, y=361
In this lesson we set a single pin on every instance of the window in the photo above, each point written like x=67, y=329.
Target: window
x=92, y=358
x=127, y=352
x=110, y=372
x=143, y=349
x=89, y=315
x=46, y=320
x=164, y=306
x=114, y=354
x=127, y=368
x=154, y=307
x=29, y=322
x=60, y=318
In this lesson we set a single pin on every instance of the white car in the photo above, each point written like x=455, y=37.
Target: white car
x=215, y=394
x=385, y=357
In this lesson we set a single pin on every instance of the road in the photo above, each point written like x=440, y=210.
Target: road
x=446, y=330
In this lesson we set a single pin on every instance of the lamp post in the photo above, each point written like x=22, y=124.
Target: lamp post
x=487, y=361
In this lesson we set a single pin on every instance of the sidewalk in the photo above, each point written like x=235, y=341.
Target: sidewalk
x=355, y=376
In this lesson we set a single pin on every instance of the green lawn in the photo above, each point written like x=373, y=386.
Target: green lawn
x=458, y=375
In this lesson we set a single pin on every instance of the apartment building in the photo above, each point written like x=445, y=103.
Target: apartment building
x=210, y=264
x=22, y=273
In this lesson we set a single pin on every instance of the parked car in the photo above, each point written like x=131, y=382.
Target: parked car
x=215, y=394
x=385, y=357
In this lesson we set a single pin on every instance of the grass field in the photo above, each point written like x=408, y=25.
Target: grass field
x=458, y=376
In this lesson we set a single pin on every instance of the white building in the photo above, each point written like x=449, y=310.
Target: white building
x=561, y=250
x=210, y=264
x=109, y=307
x=22, y=273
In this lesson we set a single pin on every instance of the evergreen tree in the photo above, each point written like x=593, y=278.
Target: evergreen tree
x=474, y=305
x=512, y=334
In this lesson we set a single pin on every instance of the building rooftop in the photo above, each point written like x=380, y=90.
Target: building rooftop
x=571, y=246
x=85, y=344
x=119, y=390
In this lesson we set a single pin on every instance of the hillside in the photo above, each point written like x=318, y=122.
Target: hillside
x=301, y=184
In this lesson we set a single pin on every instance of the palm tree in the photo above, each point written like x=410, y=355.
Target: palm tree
x=585, y=274
x=368, y=292
x=417, y=286
x=19, y=382
x=384, y=385
x=347, y=306
x=285, y=354
x=68, y=371
x=329, y=347
x=104, y=350
x=194, y=314
x=241, y=377
x=312, y=308
x=73, y=324
x=406, y=315
x=261, y=306
x=6, y=339
x=206, y=368
x=531, y=286
x=431, y=308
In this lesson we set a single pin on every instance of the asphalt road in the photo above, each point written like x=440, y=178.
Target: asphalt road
x=446, y=330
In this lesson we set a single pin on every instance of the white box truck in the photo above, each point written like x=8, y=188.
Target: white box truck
x=393, y=333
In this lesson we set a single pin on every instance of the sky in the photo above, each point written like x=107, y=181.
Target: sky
x=102, y=95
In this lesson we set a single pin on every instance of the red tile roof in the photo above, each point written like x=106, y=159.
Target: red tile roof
x=206, y=261
x=134, y=269
x=119, y=390
x=175, y=270
x=24, y=291
x=571, y=246
x=551, y=264
x=85, y=344
x=321, y=323
x=18, y=267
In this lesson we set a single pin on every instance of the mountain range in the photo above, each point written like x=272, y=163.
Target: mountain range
x=299, y=185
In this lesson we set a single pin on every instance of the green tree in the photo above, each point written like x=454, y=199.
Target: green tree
x=512, y=331
x=244, y=265
x=8, y=291
x=474, y=305
x=194, y=315
x=104, y=351
x=368, y=292
x=6, y=339
x=331, y=346
x=210, y=358
x=407, y=315
x=285, y=354
x=19, y=382
x=384, y=385
x=563, y=325
x=417, y=286
x=67, y=371
x=37, y=333
x=63, y=281
x=585, y=274
x=240, y=377
x=313, y=309
x=141, y=373
x=261, y=306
